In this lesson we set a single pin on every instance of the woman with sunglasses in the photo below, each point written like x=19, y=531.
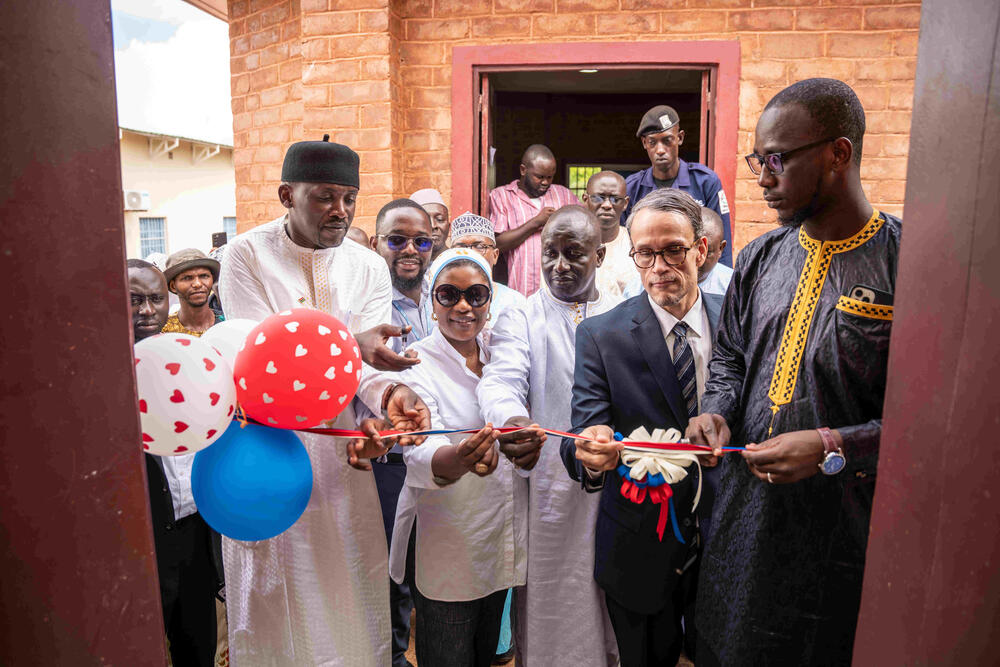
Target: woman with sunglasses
x=470, y=528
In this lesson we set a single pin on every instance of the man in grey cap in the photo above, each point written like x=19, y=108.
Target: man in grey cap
x=190, y=275
x=661, y=137
x=432, y=202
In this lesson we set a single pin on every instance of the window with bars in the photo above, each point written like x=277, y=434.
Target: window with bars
x=577, y=175
x=229, y=227
x=152, y=236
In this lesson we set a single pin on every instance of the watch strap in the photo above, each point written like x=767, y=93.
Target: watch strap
x=829, y=442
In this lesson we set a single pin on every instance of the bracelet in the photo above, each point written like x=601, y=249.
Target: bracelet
x=388, y=394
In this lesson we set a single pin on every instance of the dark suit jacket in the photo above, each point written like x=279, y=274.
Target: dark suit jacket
x=162, y=510
x=624, y=378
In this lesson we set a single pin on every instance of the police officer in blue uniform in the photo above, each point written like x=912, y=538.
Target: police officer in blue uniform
x=662, y=137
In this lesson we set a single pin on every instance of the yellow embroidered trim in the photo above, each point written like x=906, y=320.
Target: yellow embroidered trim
x=819, y=254
x=870, y=310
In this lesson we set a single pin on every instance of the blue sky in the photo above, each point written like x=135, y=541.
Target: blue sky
x=172, y=69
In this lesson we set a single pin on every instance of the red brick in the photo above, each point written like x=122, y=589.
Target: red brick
x=572, y=6
x=692, y=21
x=376, y=115
x=264, y=78
x=274, y=96
x=761, y=19
x=719, y=4
x=263, y=117
x=442, y=76
x=360, y=4
x=292, y=112
x=888, y=122
x=792, y=3
x=375, y=68
x=237, y=66
x=274, y=15
x=331, y=117
x=849, y=45
x=290, y=30
x=889, y=191
x=240, y=46
x=905, y=44
x=268, y=153
x=791, y=46
x=316, y=49
x=261, y=5
x=274, y=135
x=428, y=119
x=377, y=21
x=251, y=61
x=435, y=162
x=872, y=145
x=446, y=8
x=253, y=24
x=896, y=145
x=640, y=23
x=351, y=46
x=887, y=69
x=291, y=71
x=808, y=69
x=373, y=139
x=362, y=92
x=748, y=231
x=252, y=102
x=375, y=161
x=238, y=9
x=430, y=98
x=331, y=72
x=767, y=72
x=339, y=23
x=316, y=96
x=497, y=26
x=264, y=38
x=421, y=54
x=436, y=29
x=873, y=98
x=274, y=54
x=892, y=18
x=884, y=168
x=633, y=5
x=253, y=137
x=901, y=96
x=574, y=25
x=525, y=6
x=237, y=28
x=828, y=18
x=315, y=5
x=420, y=9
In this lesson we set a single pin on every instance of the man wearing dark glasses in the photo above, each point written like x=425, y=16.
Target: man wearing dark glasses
x=606, y=198
x=798, y=376
x=661, y=137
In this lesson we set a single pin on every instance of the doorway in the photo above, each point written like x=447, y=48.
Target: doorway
x=584, y=101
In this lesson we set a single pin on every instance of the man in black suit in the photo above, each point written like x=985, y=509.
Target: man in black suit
x=188, y=552
x=644, y=363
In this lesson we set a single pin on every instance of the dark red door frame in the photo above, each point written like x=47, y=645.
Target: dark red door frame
x=470, y=62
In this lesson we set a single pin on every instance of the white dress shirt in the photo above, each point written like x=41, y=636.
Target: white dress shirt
x=471, y=537
x=699, y=338
x=717, y=280
x=177, y=470
x=617, y=270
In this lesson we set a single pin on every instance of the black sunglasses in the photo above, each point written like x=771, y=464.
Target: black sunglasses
x=475, y=296
x=397, y=242
x=775, y=161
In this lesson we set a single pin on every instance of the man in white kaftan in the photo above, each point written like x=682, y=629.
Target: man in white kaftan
x=317, y=594
x=561, y=617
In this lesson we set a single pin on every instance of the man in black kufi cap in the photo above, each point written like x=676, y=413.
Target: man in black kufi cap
x=330, y=604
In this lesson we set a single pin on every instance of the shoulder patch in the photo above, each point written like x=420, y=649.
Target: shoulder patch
x=723, y=203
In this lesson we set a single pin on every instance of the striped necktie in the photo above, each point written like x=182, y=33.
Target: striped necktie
x=684, y=367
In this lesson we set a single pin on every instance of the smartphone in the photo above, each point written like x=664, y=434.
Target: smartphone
x=219, y=239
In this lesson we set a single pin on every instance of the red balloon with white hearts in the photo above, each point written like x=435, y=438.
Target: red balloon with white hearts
x=297, y=369
x=186, y=393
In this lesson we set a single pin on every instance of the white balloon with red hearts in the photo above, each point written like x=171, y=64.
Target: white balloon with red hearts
x=187, y=396
x=228, y=337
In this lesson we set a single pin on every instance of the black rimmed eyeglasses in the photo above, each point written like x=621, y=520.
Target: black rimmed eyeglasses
x=646, y=258
x=775, y=161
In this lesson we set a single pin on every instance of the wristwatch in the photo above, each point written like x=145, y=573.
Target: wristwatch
x=834, y=461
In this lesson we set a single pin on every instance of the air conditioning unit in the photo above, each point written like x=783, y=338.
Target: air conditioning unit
x=136, y=200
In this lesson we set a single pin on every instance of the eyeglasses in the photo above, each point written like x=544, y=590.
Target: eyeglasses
x=478, y=245
x=475, y=295
x=600, y=199
x=397, y=242
x=775, y=161
x=673, y=256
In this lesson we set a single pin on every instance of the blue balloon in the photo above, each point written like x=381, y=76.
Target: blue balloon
x=252, y=483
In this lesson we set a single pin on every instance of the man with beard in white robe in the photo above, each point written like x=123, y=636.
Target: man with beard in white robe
x=561, y=617
x=318, y=594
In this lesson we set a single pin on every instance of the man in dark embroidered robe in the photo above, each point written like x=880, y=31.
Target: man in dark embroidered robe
x=798, y=374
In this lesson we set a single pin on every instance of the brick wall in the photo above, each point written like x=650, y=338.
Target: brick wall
x=376, y=74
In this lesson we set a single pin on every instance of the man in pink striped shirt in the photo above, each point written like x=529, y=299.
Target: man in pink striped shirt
x=518, y=212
